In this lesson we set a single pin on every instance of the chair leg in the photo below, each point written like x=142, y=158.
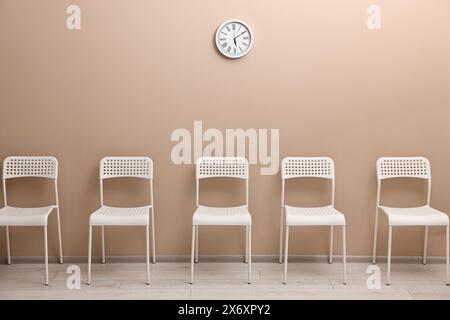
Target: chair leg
x=147, y=252
x=425, y=245
x=46, y=255
x=196, y=244
x=246, y=244
x=286, y=243
x=249, y=251
x=192, y=254
x=344, y=253
x=375, y=233
x=389, y=256
x=330, y=258
x=153, y=239
x=61, y=259
x=89, y=255
x=8, y=247
x=103, y=245
x=447, y=240
x=280, y=259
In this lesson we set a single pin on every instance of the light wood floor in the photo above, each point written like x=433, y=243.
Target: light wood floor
x=224, y=281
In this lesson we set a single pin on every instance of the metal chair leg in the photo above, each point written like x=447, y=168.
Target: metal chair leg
x=280, y=259
x=246, y=244
x=196, y=243
x=147, y=252
x=330, y=258
x=375, y=233
x=61, y=259
x=389, y=256
x=286, y=244
x=249, y=250
x=89, y=255
x=103, y=245
x=8, y=247
x=425, y=246
x=447, y=240
x=153, y=239
x=192, y=254
x=344, y=253
x=46, y=255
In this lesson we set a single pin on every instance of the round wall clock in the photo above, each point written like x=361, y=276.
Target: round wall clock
x=234, y=39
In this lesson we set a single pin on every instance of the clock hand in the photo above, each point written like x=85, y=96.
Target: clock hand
x=240, y=35
x=234, y=39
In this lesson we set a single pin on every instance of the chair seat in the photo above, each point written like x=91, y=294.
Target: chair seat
x=315, y=216
x=233, y=216
x=114, y=216
x=416, y=216
x=13, y=216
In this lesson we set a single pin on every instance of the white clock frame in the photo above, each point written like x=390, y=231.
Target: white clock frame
x=249, y=45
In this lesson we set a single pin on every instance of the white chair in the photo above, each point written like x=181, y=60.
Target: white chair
x=214, y=167
x=40, y=167
x=408, y=167
x=120, y=167
x=315, y=167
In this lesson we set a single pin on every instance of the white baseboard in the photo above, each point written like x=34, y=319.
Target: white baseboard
x=225, y=258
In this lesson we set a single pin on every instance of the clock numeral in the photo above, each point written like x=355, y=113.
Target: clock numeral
x=245, y=38
x=224, y=45
x=240, y=48
x=229, y=49
x=222, y=39
x=234, y=26
x=228, y=28
x=245, y=44
x=234, y=50
x=223, y=33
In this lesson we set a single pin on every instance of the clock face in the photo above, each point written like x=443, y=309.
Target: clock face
x=234, y=38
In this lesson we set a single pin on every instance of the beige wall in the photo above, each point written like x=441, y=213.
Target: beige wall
x=137, y=70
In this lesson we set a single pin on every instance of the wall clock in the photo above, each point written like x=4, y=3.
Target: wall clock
x=234, y=39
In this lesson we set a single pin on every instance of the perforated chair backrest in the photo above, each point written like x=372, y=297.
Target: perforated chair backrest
x=117, y=167
x=233, y=167
x=25, y=166
x=122, y=167
x=306, y=167
x=403, y=167
x=315, y=167
x=30, y=166
x=215, y=167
